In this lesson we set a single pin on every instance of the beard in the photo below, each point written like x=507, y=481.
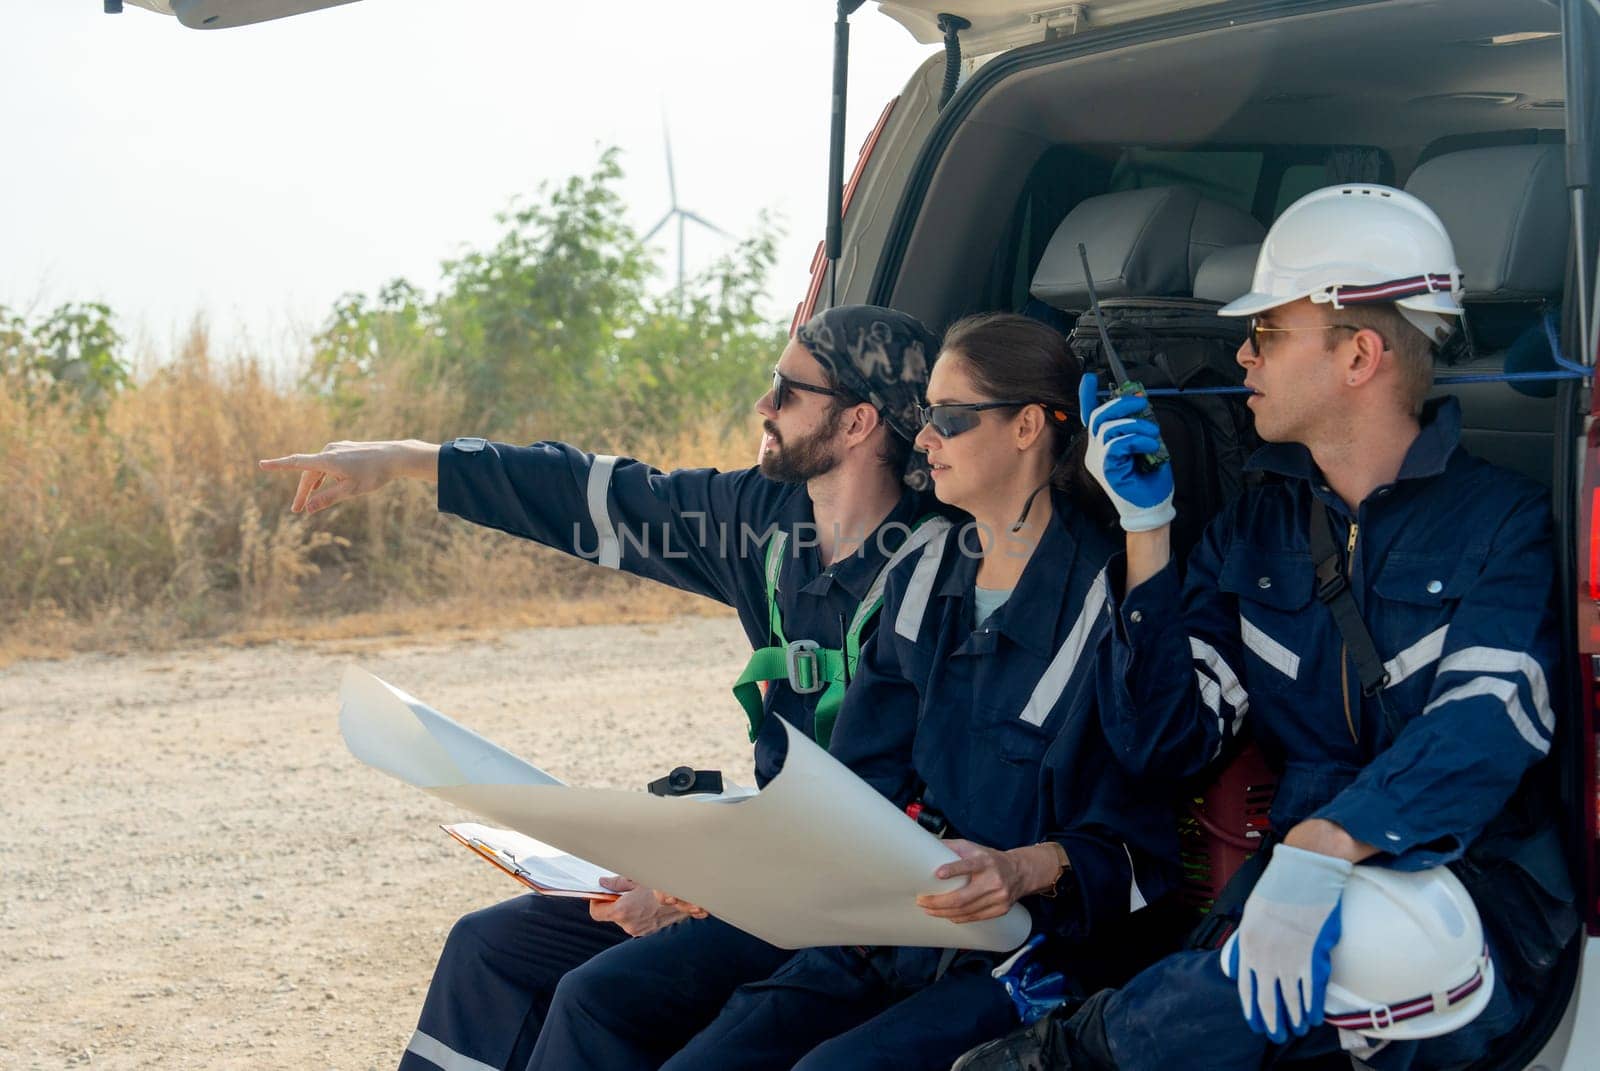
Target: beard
x=802, y=459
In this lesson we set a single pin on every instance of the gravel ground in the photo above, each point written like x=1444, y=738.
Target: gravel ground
x=195, y=873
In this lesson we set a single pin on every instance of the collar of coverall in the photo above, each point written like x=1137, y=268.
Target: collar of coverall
x=1427, y=456
x=856, y=572
x=1028, y=618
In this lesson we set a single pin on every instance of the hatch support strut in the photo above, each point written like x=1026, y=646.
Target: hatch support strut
x=841, y=77
x=1573, y=45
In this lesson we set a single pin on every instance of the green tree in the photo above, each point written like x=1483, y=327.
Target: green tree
x=71, y=355
x=704, y=353
x=553, y=329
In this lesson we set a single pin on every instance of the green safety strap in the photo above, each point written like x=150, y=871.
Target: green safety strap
x=807, y=666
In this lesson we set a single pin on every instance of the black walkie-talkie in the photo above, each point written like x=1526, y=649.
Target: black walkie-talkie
x=1125, y=386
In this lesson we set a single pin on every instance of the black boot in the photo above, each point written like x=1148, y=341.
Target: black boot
x=1070, y=1038
x=1037, y=1047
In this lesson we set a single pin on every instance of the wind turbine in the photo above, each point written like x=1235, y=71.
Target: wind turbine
x=682, y=215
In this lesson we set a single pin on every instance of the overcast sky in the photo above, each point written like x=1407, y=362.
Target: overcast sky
x=255, y=174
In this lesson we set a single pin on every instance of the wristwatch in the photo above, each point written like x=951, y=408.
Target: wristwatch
x=1063, y=864
x=470, y=444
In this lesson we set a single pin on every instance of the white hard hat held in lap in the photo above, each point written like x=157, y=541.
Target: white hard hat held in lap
x=1359, y=244
x=1411, y=962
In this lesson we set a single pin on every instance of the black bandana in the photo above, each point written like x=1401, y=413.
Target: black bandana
x=883, y=357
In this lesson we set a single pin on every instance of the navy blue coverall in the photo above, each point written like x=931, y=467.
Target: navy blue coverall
x=1452, y=570
x=696, y=529
x=995, y=725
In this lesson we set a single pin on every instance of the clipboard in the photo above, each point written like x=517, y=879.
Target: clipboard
x=535, y=864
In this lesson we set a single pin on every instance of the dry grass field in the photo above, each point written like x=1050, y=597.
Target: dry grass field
x=149, y=525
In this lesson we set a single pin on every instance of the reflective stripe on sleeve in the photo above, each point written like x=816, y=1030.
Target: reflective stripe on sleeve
x=1503, y=661
x=448, y=1059
x=1269, y=650
x=1419, y=656
x=1506, y=692
x=609, y=552
x=1227, y=681
x=1048, y=691
x=1211, y=696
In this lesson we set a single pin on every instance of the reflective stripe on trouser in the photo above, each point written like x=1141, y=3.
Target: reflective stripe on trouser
x=495, y=979
x=1182, y=1014
x=829, y=1009
x=635, y=1005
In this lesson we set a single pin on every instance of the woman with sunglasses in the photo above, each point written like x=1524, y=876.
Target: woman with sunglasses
x=976, y=708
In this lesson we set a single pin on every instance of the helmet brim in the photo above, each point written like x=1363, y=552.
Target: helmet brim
x=1255, y=302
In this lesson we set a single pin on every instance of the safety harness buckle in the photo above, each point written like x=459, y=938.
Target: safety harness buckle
x=1213, y=931
x=804, y=665
x=1330, y=587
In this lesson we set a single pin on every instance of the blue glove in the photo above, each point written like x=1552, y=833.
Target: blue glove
x=1116, y=442
x=1034, y=989
x=1281, y=952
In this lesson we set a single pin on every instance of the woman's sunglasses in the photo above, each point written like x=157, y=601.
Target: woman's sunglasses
x=950, y=419
x=782, y=385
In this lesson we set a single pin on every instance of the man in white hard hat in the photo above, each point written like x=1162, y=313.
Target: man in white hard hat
x=1378, y=612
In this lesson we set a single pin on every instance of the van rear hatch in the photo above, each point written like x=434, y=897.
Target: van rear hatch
x=223, y=14
x=999, y=25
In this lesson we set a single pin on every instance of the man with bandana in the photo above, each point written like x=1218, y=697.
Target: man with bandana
x=793, y=544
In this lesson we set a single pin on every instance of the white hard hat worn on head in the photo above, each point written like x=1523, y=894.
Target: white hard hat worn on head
x=1358, y=245
x=1411, y=961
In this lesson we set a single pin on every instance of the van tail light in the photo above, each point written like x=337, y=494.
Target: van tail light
x=1588, y=617
x=1591, y=779
x=819, y=261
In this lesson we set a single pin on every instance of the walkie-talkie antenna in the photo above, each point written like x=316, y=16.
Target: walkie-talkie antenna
x=1117, y=369
x=1125, y=384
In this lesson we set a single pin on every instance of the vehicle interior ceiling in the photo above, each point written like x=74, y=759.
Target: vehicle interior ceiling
x=1254, y=115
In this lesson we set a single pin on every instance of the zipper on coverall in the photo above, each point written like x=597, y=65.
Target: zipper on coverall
x=1344, y=648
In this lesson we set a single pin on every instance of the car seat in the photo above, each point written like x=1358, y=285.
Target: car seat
x=1507, y=213
x=1145, y=248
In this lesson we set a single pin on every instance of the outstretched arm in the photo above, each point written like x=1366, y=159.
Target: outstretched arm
x=694, y=529
x=343, y=470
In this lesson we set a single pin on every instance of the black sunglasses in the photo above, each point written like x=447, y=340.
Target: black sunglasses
x=950, y=419
x=782, y=384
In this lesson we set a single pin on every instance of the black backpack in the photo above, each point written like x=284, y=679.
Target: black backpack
x=1182, y=343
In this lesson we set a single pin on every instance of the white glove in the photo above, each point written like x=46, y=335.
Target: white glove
x=1281, y=953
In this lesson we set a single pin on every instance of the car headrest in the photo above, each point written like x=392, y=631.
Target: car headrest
x=1141, y=243
x=1507, y=213
x=1227, y=273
